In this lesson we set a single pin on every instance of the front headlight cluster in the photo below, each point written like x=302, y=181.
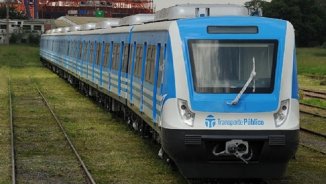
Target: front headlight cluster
x=186, y=114
x=281, y=115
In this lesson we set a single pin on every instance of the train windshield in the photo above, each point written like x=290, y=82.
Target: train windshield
x=224, y=66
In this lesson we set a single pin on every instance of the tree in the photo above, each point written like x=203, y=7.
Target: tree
x=13, y=14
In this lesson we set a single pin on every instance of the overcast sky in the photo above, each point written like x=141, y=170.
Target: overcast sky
x=167, y=3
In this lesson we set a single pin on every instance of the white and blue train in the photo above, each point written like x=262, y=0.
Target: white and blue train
x=216, y=87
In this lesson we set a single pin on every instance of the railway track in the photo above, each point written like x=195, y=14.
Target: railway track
x=316, y=143
x=13, y=164
x=314, y=94
x=21, y=173
x=313, y=110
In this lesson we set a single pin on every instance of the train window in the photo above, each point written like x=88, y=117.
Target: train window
x=80, y=49
x=91, y=53
x=139, y=59
x=132, y=55
x=85, y=51
x=68, y=49
x=125, y=57
x=106, y=54
x=73, y=52
x=71, y=45
x=150, y=62
x=98, y=53
x=115, y=56
x=161, y=65
x=224, y=66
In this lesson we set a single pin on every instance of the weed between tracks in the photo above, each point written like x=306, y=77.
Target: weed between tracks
x=111, y=151
x=313, y=123
x=314, y=102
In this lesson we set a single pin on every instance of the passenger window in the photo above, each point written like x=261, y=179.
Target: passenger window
x=133, y=51
x=91, y=53
x=85, y=51
x=161, y=65
x=150, y=62
x=80, y=49
x=98, y=53
x=68, y=49
x=73, y=53
x=106, y=54
x=125, y=58
x=115, y=56
x=139, y=58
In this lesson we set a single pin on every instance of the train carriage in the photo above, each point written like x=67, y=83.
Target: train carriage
x=216, y=87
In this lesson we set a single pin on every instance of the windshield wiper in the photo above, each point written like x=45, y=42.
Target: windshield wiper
x=252, y=76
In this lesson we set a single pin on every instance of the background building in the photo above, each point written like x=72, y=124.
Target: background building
x=100, y=8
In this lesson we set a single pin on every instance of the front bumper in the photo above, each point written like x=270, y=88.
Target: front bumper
x=192, y=152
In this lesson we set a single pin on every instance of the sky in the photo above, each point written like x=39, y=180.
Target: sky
x=159, y=4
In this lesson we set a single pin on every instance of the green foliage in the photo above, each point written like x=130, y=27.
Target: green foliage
x=15, y=38
x=323, y=45
x=34, y=39
x=307, y=16
x=13, y=14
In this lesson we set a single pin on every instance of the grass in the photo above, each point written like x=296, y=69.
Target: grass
x=5, y=162
x=316, y=124
x=311, y=61
x=312, y=68
x=308, y=167
x=315, y=102
x=112, y=152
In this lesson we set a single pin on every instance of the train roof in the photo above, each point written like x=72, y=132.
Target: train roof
x=154, y=21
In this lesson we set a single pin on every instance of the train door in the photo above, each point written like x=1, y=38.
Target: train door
x=114, y=68
x=84, y=60
x=159, y=68
x=94, y=53
x=120, y=66
x=123, y=85
x=110, y=66
x=90, y=61
x=135, y=82
x=131, y=69
x=79, y=57
x=101, y=62
x=148, y=87
x=105, y=65
x=98, y=59
x=66, y=53
x=141, y=103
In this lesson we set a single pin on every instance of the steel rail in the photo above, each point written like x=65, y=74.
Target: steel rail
x=314, y=94
x=13, y=162
x=86, y=171
x=313, y=149
x=313, y=114
x=313, y=132
x=313, y=106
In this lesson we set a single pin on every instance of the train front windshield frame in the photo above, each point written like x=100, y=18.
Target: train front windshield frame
x=224, y=66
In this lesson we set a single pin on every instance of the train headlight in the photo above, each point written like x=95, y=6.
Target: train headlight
x=186, y=114
x=282, y=113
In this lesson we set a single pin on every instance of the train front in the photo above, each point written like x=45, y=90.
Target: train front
x=236, y=111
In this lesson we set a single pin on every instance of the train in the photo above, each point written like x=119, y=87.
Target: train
x=215, y=85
